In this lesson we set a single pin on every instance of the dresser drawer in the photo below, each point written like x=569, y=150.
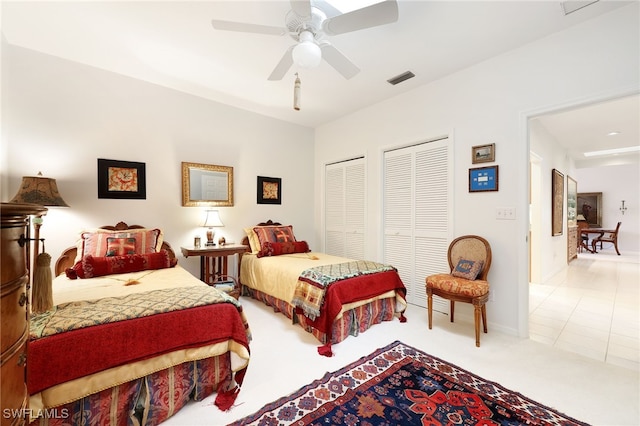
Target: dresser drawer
x=13, y=312
x=14, y=394
x=14, y=263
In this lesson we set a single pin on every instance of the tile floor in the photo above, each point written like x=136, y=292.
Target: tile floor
x=592, y=308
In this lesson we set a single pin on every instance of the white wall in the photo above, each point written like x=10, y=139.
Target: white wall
x=616, y=183
x=59, y=117
x=491, y=103
x=553, y=258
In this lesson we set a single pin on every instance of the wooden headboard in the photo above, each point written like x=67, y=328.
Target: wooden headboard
x=68, y=256
x=245, y=240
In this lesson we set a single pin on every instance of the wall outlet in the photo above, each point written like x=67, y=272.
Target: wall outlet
x=506, y=213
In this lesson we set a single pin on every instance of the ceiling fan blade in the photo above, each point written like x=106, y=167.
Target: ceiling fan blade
x=327, y=8
x=283, y=66
x=337, y=60
x=381, y=13
x=301, y=7
x=246, y=28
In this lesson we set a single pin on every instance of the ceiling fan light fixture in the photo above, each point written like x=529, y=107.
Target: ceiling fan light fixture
x=307, y=53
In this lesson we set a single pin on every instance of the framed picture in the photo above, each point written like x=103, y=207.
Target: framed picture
x=269, y=190
x=483, y=179
x=557, y=202
x=590, y=207
x=121, y=179
x=572, y=202
x=483, y=153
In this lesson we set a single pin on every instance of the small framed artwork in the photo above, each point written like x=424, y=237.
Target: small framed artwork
x=483, y=179
x=121, y=179
x=557, y=202
x=483, y=153
x=572, y=201
x=269, y=190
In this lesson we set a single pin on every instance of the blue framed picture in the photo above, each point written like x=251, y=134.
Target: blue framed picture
x=483, y=179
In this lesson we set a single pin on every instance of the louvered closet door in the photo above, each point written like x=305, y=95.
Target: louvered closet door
x=417, y=212
x=345, y=208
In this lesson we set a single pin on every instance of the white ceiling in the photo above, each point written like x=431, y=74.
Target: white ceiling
x=173, y=44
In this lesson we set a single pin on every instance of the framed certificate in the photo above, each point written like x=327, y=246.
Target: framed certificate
x=483, y=179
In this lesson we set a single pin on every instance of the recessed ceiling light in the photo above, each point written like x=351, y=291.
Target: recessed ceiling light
x=612, y=151
x=613, y=133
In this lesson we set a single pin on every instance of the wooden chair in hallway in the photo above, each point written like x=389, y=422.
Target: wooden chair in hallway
x=469, y=259
x=609, y=236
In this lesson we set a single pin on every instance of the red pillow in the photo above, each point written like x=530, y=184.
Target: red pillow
x=288, y=247
x=93, y=266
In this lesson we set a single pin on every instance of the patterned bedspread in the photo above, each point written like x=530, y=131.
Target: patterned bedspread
x=87, y=313
x=314, y=282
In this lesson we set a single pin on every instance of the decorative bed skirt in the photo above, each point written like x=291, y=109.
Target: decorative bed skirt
x=149, y=400
x=351, y=323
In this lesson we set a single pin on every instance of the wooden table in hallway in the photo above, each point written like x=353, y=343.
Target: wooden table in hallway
x=587, y=232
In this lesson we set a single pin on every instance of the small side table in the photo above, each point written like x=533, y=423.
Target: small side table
x=213, y=260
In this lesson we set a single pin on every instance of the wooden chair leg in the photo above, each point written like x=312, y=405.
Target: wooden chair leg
x=615, y=245
x=452, y=305
x=476, y=320
x=484, y=317
x=430, y=308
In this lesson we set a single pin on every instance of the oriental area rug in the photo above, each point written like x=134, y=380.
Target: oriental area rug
x=401, y=385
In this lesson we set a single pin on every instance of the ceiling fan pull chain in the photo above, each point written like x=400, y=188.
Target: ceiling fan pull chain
x=296, y=94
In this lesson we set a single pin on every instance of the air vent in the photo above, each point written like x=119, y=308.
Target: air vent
x=570, y=6
x=400, y=78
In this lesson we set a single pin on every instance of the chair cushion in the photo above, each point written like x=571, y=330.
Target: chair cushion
x=451, y=284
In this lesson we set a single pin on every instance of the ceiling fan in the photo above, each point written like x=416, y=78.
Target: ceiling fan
x=308, y=24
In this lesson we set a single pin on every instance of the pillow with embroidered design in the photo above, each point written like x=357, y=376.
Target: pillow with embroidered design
x=288, y=247
x=97, y=266
x=467, y=269
x=95, y=242
x=274, y=234
x=120, y=246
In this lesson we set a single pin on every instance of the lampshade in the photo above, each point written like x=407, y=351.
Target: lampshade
x=307, y=53
x=39, y=190
x=581, y=217
x=212, y=219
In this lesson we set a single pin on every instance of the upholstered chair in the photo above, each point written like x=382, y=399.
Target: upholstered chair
x=469, y=259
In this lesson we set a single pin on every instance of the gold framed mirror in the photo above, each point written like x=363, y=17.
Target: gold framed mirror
x=206, y=185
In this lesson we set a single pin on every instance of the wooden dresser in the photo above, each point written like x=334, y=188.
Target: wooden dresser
x=572, y=243
x=14, y=310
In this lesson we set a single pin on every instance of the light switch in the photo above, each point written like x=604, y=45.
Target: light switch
x=506, y=213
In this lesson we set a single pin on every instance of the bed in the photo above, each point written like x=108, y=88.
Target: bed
x=132, y=336
x=329, y=296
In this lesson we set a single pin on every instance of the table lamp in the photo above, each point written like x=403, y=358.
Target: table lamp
x=212, y=220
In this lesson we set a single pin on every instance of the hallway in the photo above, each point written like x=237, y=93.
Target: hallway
x=592, y=308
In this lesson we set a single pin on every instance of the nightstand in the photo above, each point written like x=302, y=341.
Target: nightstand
x=214, y=260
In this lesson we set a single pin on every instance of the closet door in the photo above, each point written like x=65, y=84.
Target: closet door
x=417, y=214
x=345, y=208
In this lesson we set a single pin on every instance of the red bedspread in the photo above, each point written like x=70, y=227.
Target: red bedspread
x=353, y=290
x=72, y=354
